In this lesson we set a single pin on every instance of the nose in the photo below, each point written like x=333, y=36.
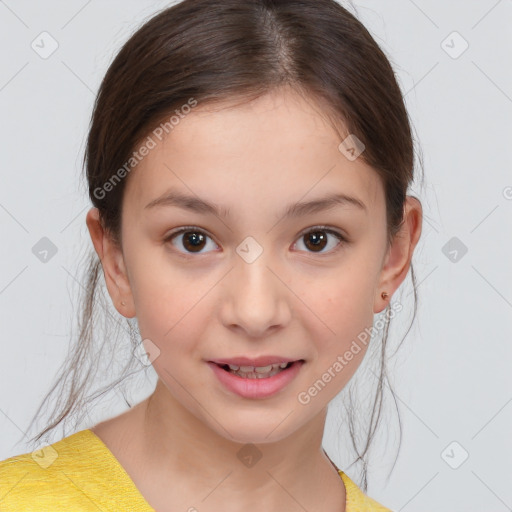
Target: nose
x=255, y=298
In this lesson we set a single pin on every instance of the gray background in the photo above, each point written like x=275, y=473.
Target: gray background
x=452, y=376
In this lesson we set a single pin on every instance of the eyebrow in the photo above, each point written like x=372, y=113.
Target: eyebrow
x=197, y=205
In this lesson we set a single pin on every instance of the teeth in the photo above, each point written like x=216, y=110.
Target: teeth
x=257, y=372
x=258, y=369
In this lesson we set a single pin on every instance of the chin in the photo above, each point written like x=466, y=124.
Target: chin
x=249, y=431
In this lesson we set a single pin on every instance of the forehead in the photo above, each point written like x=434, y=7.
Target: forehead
x=277, y=148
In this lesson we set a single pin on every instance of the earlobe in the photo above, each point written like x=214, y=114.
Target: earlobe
x=399, y=255
x=112, y=261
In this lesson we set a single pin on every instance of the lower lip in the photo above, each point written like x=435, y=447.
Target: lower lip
x=256, y=388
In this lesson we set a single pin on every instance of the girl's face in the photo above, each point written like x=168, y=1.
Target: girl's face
x=256, y=275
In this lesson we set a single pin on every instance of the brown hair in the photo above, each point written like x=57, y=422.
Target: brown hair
x=218, y=51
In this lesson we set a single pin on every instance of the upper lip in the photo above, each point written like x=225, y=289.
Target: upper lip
x=258, y=361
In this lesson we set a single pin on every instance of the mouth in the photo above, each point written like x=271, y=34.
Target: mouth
x=256, y=382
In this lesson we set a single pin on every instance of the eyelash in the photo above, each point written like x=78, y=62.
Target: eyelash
x=325, y=229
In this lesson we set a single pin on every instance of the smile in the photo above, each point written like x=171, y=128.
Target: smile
x=256, y=382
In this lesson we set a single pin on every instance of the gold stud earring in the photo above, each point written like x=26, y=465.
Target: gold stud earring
x=384, y=295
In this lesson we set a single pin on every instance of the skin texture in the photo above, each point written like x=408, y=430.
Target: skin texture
x=253, y=159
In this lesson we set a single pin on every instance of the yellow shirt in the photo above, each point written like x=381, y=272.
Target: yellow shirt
x=79, y=473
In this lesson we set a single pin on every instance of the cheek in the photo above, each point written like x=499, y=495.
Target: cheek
x=343, y=315
x=158, y=292
x=166, y=314
x=344, y=302
x=171, y=308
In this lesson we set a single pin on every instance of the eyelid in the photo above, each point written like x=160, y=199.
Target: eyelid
x=327, y=229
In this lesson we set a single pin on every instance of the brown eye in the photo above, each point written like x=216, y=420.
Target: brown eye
x=315, y=240
x=192, y=240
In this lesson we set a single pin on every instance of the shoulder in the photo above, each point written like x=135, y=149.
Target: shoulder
x=357, y=500
x=56, y=477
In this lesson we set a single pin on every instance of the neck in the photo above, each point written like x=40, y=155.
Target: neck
x=179, y=448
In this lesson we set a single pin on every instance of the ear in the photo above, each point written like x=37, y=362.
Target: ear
x=112, y=261
x=399, y=255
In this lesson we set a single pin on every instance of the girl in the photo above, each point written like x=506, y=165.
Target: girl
x=248, y=165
